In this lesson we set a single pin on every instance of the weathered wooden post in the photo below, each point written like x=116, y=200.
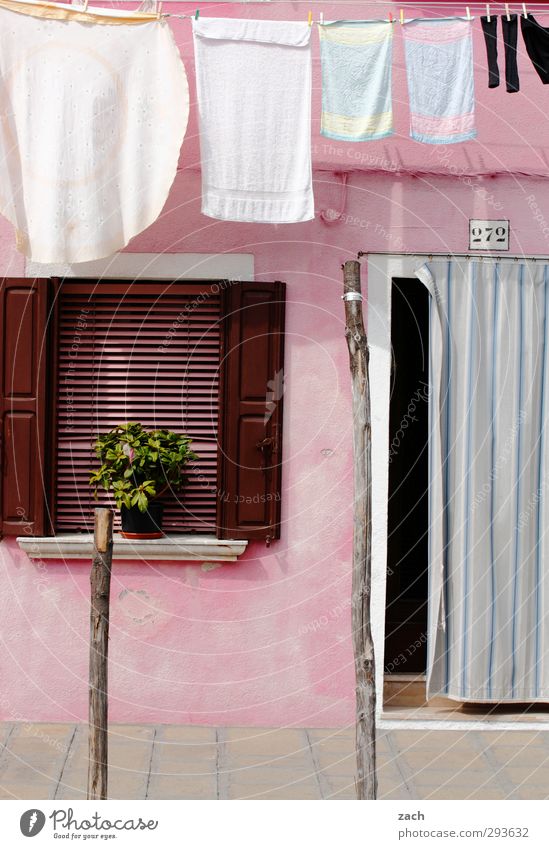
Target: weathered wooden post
x=363, y=645
x=100, y=580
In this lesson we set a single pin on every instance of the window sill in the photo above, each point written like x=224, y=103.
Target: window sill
x=181, y=548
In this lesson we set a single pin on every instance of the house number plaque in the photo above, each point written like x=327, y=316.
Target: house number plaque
x=488, y=235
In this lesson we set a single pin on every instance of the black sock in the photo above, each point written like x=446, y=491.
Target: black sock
x=489, y=28
x=510, y=30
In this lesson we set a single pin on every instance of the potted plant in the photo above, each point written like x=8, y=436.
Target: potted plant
x=139, y=466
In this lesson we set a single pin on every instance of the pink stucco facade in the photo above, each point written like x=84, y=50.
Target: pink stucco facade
x=266, y=640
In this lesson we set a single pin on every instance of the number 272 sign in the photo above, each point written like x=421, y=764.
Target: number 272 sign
x=488, y=235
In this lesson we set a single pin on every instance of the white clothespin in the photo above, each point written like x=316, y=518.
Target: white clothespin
x=524, y=12
x=322, y=18
x=488, y=12
x=468, y=13
x=507, y=12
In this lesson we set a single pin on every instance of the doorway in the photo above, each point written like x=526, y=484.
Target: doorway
x=407, y=547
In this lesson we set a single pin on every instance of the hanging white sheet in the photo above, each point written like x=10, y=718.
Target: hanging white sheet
x=94, y=109
x=489, y=472
x=254, y=99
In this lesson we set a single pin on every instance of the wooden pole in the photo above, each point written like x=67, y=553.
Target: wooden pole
x=100, y=580
x=363, y=646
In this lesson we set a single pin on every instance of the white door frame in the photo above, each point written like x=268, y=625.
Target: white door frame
x=381, y=269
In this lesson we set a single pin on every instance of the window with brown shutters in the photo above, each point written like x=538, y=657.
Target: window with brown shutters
x=146, y=352
x=78, y=357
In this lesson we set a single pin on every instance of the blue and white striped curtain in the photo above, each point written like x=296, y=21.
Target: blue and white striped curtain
x=488, y=634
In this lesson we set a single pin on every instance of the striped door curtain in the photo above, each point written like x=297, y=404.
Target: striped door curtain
x=488, y=632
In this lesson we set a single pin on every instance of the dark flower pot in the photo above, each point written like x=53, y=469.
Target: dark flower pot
x=138, y=525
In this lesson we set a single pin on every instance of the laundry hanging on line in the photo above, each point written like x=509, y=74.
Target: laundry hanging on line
x=90, y=138
x=255, y=141
x=439, y=70
x=509, y=27
x=356, y=60
x=536, y=40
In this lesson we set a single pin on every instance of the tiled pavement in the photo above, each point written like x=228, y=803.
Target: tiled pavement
x=39, y=761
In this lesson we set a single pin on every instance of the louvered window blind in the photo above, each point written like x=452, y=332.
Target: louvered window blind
x=147, y=352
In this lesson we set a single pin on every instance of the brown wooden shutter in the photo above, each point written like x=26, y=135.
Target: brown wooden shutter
x=143, y=351
x=23, y=324
x=250, y=463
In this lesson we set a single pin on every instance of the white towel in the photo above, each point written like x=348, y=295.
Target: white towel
x=92, y=120
x=254, y=101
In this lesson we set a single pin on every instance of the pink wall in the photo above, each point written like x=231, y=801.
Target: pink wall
x=266, y=641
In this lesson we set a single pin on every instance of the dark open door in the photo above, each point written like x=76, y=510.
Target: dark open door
x=406, y=613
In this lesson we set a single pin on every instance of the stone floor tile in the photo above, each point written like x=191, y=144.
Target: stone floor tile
x=188, y=735
x=197, y=770
x=349, y=794
x=454, y=759
x=26, y=790
x=460, y=792
x=523, y=756
x=435, y=778
x=305, y=791
x=531, y=791
x=397, y=794
x=287, y=738
x=269, y=776
x=519, y=738
x=175, y=787
x=182, y=762
x=234, y=761
x=432, y=739
x=336, y=763
x=348, y=733
x=73, y=787
x=125, y=732
x=527, y=774
x=336, y=783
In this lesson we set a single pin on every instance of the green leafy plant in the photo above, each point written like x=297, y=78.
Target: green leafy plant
x=140, y=465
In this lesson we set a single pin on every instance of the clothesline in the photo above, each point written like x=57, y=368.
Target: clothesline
x=393, y=19
x=106, y=160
